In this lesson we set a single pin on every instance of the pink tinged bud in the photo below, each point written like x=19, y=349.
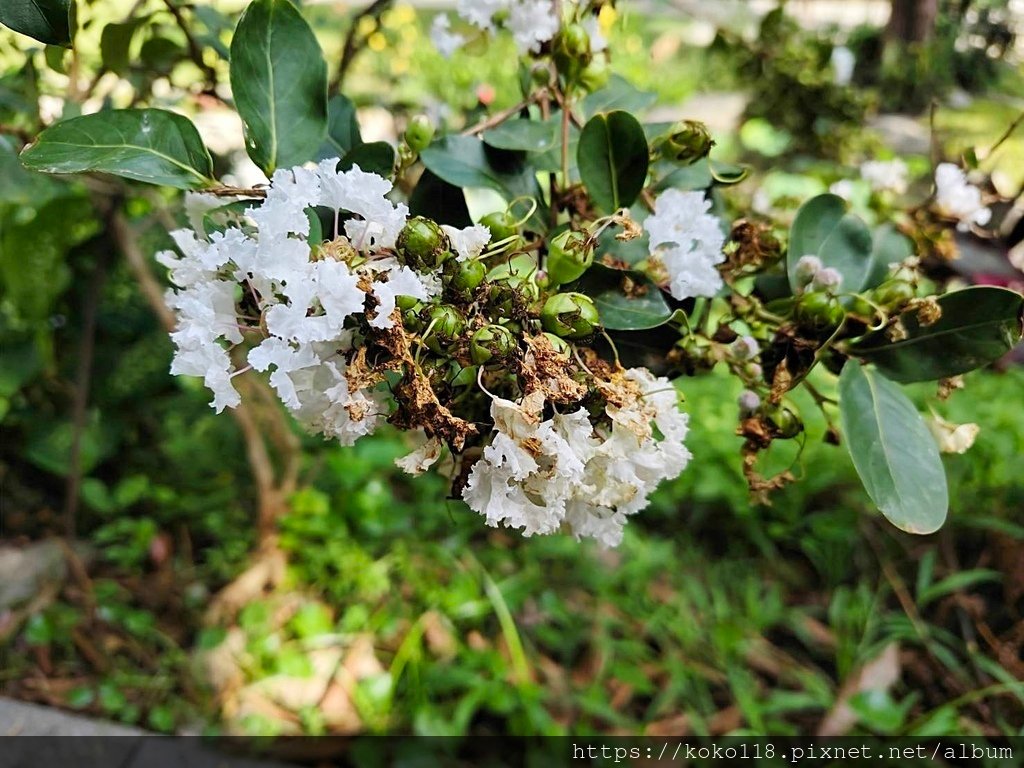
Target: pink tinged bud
x=749, y=402
x=807, y=267
x=746, y=348
x=827, y=279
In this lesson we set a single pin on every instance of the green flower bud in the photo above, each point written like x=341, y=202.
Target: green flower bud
x=412, y=318
x=444, y=325
x=819, y=313
x=491, y=344
x=502, y=225
x=419, y=133
x=596, y=74
x=893, y=294
x=462, y=278
x=687, y=142
x=784, y=423
x=513, y=285
x=407, y=302
x=422, y=244
x=571, y=51
x=862, y=308
x=570, y=316
x=570, y=254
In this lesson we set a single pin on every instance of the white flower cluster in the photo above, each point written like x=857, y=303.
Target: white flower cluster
x=536, y=475
x=881, y=176
x=688, y=240
x=956, y=197
x=299, y=297
x=886, y=175
x=531, y=22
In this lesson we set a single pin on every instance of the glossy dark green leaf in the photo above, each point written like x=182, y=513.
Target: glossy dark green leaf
x=438, y=200
x=888, y=246
x=150, y=145
x=342, y=128
x=523, y=135
x=894, y=453
x=376, y=157
x=115, y=44
x=642, y=308
x=823, y=228
x=465, y=162
x=618, y=94
x=978, y=326
x=279, y=81
x=613, y=157
x=48, y=21
x=690, y=178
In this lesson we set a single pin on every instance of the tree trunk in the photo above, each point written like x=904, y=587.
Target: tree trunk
x=912, y=21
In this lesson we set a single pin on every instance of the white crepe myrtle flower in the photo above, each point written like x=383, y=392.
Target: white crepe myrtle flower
x=423, y=458
x=843, y=64
x=688, y=240
x=959, y=199
x=886, y=175
x=537, y=475
x=446, y=41
x=306, y=295
x=468, y=243
x=843, y=188
x=598, y=42
x=480, y=13
x=532, y=23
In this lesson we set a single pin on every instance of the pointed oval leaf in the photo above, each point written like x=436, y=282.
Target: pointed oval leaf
x=613, y=157
x=48, y=21
x=978, y=326
x=641, y=308
x=889, y=246
x=618, y=94
x=823, y=228
x=375, y=157
x=523, y=135
x=893, y=451
x=342, y=128
x=279, y=81
x=150, y=145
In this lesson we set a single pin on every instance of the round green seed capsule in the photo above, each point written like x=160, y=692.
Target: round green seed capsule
x=570, y=316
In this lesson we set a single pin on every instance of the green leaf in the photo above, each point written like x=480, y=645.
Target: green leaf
x=643, y=308
x=523, y=135
x=978, y=326
x=115, y=44
x=888, y=246
x=823, y=228
x=342, y=128
x=464, y=161
x=436, y=199
x=728, y=174
x=957, y=582
x=618, y=94
x=892, y=450
x=279, y=81
x=48, y=21
x=613, y=158
x=376, y=157
x=689, y=178
x=150, y=145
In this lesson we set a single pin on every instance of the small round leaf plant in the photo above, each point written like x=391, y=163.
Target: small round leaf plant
x=539, y=352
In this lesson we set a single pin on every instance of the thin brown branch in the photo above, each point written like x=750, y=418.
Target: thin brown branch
x=1006, y=135
x=237, y=191
x=195, y=51
x=500, y=117
x=353, y=45
x=80, y=402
